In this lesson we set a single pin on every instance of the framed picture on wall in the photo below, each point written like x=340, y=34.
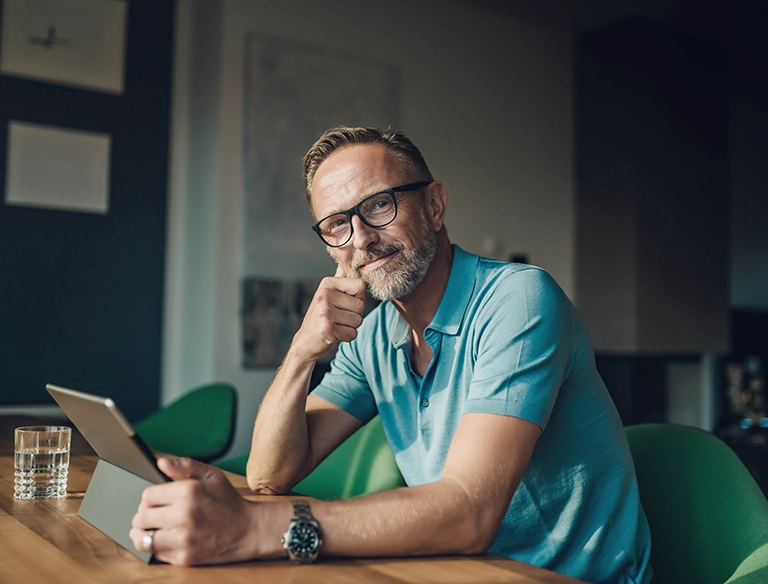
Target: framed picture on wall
x=70, y=42
x=57, y=168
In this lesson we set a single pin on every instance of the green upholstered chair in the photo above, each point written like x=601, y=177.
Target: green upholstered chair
x=708, y=517
x=361, y=465
x=200, y=424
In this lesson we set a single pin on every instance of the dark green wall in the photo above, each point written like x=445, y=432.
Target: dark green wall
x=81, y=294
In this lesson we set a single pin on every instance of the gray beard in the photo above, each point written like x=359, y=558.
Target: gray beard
x=399, y=277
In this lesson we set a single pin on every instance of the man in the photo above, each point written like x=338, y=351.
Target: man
x=482, y=374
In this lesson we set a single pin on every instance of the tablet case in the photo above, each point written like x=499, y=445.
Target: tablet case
x=125, y=468
x=111, y=501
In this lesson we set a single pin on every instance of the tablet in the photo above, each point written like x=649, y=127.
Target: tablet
x=108, y=432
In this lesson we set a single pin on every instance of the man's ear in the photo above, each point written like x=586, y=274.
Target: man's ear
x=435, y=201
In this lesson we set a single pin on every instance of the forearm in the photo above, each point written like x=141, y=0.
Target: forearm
x=460, y=513
x=280, y=449
x=282, y=444
x=438, y=518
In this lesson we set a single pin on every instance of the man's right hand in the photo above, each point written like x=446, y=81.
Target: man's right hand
x=333, y=316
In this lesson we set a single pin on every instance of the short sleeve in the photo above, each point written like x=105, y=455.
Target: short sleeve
x=522, y=342
x=346, y=385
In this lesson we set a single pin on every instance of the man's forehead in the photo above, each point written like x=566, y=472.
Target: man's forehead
x=356, y=159
x=350, y=173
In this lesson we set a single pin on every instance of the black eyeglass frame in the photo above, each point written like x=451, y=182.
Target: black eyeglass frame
x=355, y=210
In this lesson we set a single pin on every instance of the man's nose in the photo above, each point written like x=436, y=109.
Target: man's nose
x=363, y=236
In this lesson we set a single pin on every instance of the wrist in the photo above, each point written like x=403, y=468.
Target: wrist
x=303, y=539
x=269, y=522
x=298, y=361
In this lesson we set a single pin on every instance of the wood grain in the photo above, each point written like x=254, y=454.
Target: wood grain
x=46, y=542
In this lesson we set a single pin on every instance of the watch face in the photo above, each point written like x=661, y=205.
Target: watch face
x=304, y=538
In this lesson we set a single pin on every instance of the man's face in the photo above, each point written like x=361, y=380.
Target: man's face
x=393, y=259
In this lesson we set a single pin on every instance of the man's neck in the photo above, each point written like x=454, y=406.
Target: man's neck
x=419, y=307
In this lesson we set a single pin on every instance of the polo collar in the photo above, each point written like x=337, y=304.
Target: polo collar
x=461, y=284
x=453, y=306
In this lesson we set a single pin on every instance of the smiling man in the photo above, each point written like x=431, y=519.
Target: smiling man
x=484, y=379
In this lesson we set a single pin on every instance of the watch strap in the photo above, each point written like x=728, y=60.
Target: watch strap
x=301, y=511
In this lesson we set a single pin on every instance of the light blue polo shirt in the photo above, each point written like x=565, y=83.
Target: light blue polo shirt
x=506, y=340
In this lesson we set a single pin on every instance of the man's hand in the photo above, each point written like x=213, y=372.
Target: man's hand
x=335, y=313
x=199, y=518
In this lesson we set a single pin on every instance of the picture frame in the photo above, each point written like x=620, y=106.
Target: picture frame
x=52, y=167
x=79, y=43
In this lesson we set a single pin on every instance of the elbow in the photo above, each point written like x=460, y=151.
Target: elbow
x=473, y=534
x=477, y=541
x=476, y=529
x=263, y=487
x=266, y=483
x=254, y=483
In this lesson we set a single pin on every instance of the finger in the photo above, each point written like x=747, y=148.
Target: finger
x=155, y=517
x=137, y=539
x=185, y=468
x=175, y=546
x=346, y=302
x=162, y=543
x=347, y=318
x=159, y=495
x=349, y=286
x=339, y=272
x=137, y=535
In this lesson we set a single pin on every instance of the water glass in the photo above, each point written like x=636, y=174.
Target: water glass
x=41, y=461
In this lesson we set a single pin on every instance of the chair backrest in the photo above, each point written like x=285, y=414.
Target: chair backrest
x=361, y=465
x=200, y=424
x=706, y=512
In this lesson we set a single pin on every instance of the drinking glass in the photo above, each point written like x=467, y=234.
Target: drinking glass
x=41, y=461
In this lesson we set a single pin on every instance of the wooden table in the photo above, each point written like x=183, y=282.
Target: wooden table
x=46, y=542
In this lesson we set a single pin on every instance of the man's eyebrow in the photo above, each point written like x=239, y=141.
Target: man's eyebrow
x=359, y=200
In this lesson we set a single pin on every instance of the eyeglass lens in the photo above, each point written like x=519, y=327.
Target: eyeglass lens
x=376, y=211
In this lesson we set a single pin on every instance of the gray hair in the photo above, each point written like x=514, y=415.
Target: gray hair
x=400, y=148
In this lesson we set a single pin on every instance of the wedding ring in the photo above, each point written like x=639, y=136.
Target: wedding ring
x=148, y=541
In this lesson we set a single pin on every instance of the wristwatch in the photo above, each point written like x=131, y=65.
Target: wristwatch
x=303, y=539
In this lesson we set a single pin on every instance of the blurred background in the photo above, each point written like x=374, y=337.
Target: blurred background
x=621, y=146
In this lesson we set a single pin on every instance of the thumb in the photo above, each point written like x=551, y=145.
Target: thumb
x=180, y=469
x=339, y=272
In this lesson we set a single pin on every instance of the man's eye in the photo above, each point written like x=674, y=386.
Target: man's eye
x=377, y=206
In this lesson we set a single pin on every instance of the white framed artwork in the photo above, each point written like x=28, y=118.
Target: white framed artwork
x=69, y=42
x=57, y=168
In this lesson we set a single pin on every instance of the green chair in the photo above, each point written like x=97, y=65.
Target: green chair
x=361, y=465
x=200, y=424
x=708, y=517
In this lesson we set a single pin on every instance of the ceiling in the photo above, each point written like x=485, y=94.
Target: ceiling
x=740, y=23
x=577, y=15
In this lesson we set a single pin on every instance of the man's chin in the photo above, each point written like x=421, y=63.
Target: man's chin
x=375, y=289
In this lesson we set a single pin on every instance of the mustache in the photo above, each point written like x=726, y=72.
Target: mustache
x=374, y=252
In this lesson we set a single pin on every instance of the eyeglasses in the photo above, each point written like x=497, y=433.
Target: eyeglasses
x=376, y=210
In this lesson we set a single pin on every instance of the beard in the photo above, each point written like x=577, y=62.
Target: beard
x=400, y=276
